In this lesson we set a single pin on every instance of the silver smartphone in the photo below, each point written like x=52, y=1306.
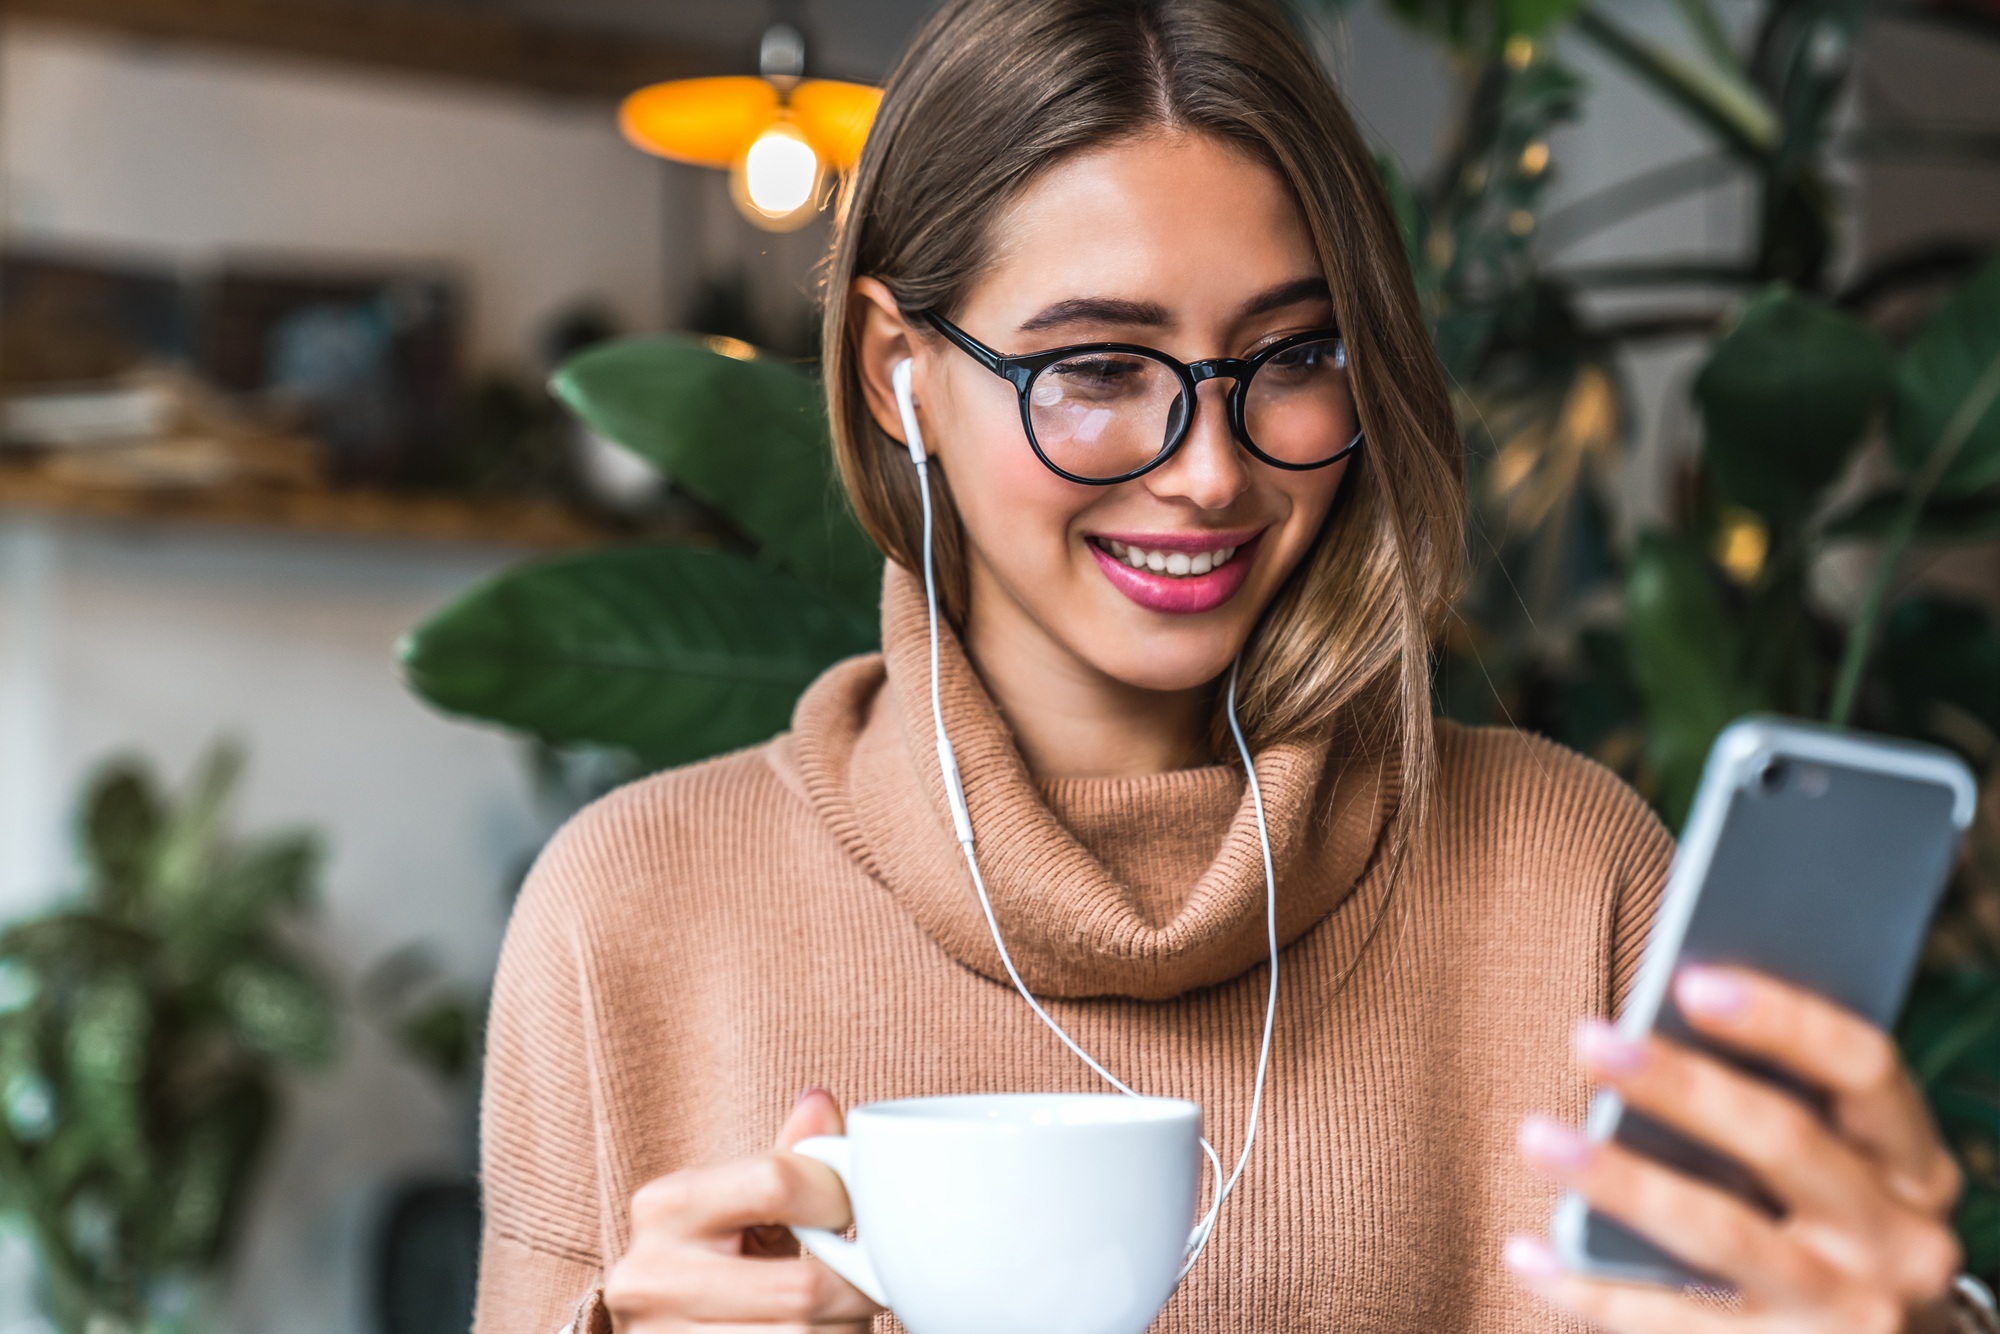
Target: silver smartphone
x=1814, y=855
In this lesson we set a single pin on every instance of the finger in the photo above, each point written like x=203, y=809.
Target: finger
x=1619, y=1308
x=702, y=1286
x=815, y=1113
x=1875, y=1104
x=718, y=1202
x=1789, y=1148
x=1706, y=1228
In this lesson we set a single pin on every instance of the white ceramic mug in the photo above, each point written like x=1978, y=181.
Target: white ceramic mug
x=1015, y=1213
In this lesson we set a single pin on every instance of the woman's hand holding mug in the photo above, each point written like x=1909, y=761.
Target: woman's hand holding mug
x=1864, y=1245
x=710, y=1246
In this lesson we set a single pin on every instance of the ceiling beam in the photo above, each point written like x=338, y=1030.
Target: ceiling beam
x=456, y=43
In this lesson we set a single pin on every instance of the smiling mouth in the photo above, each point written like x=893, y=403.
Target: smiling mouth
x=1172, y=564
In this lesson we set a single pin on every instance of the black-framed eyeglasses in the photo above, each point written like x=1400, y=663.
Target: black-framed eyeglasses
x=1100, y=413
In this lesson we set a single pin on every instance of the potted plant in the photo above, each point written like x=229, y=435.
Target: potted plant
x=144, y=1029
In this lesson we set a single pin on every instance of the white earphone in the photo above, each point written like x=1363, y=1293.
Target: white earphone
x=961, y=820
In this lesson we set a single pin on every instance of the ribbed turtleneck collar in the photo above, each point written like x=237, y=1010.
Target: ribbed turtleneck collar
x=1143, y=887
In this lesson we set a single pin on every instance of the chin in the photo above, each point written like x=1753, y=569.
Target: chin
x=1167, y=667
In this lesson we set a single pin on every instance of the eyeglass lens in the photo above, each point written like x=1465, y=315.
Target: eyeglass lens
x=1105, y=414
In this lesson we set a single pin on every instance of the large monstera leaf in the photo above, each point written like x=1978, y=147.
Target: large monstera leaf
x=1785, y=399
x=1948, y=390
x=743, y=432
x=670, y=653
x=1687, y=658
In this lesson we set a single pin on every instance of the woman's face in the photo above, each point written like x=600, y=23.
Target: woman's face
x=1173, y=241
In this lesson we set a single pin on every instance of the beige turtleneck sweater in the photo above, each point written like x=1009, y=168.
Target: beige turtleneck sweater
x=696, y=948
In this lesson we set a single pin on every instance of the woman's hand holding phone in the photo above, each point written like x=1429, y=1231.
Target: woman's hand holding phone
x=1864, y=1245
x=710, y=1246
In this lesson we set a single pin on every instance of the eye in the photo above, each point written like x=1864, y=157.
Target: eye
x=1312, y=356
x=1096, y=376
x=1098, y=368
x=1309, y=365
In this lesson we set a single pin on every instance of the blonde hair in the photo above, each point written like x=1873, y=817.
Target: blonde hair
x=993, y=92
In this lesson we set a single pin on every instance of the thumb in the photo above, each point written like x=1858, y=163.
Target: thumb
x=815, y=1113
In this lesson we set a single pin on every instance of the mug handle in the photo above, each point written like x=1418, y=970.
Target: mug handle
x=849, y=1259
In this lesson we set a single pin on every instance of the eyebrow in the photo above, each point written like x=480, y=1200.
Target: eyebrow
x=1293, y=293
x=1153, y=315
x=1098, y=310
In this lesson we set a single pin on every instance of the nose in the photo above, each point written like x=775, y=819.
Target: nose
x=1208, y=471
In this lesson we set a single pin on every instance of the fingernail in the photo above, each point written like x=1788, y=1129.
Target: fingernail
x=1531, y=1258
x=1551, y=1143
x=808, y=1091
x=1706, y=991
x=1599, y=1044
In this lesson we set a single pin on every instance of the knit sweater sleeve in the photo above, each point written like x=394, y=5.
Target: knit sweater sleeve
x=1638, y=881
x=541, y=1260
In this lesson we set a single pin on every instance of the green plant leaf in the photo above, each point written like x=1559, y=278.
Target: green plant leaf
x=243, y=889
x=1409, y=211
x=276, y=1008
x=1685, y=654
x=1950, y=1021
x=192, y=834
x=1718, y=98
x=1977, y=1221
x=122, y=815
x=669, y=653
x=1532, y=18
x=1784, y=399
x=1973, y=518
x=202, y=1190
x=1462, y=336
x=1936, y=651
x=746, y=435
x=106, y=1042
x=104, y=1051
x=1706, y=25
x=1481, y=26
x=443, y=1036
x=1938, y=374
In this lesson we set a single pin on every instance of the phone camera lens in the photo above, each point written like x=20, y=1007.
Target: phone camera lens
x=1773, y=776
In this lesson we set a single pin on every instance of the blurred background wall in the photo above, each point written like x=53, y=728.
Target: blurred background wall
x=190, y=155
x=133, y=636
x=155, y=627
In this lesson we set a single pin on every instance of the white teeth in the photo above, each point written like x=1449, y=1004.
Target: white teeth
x=1174, y=564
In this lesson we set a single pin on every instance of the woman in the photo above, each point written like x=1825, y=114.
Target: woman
x=1172, y=174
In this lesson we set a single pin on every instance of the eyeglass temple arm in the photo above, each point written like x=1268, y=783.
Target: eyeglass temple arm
x=967, y=344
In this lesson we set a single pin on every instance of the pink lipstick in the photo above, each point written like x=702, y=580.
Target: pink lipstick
x=1181, y=574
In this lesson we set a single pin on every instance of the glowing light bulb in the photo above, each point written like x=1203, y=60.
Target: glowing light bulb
x=780, y=172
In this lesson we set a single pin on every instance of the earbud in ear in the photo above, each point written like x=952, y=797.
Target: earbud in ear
x=913, y=435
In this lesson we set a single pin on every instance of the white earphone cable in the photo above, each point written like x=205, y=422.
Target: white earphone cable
x=961, y=818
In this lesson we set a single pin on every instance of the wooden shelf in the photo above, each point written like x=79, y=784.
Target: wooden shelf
x=542, y=524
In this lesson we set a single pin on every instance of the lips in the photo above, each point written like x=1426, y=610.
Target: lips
x=1167, y=588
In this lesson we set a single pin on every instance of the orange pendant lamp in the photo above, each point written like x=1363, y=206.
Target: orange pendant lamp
x=781, y=136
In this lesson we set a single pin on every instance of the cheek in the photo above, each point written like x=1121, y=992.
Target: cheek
x=1306, y=499
x=1015, y=510
x=1310, y=495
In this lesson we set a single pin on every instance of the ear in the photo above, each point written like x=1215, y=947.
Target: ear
x=882, y=337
